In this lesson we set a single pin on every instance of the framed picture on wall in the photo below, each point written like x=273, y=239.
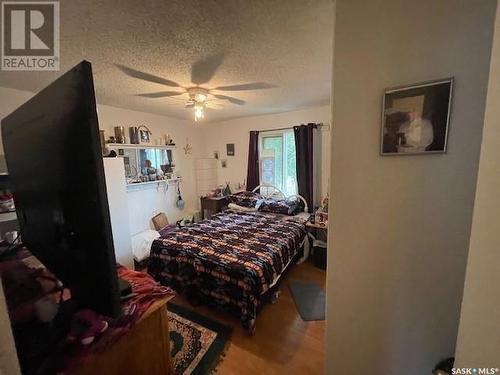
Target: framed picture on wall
x=230, y=149
x=415, y=118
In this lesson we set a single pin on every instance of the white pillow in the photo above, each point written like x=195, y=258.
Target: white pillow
x=141, y=243
x=235, y=207
x=300, y=218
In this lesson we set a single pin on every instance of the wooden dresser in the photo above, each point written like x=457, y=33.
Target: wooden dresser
x=145, y=349
x=212, y=205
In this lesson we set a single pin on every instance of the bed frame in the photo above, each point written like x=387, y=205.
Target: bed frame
x=272, y=294
x=271, y=191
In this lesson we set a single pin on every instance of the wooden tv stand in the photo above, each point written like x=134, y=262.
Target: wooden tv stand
x=145, y=349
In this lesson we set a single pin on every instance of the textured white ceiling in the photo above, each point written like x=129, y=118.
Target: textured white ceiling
x=287, y=43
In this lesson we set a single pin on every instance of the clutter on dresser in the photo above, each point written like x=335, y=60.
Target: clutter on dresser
x=227, y=190
x=86, y=325
x=321, y=214
x=53, y=335
x=211, y=205
x=185, y=221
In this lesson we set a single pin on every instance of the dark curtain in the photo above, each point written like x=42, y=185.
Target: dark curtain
x=304, y=151
x=253, y=178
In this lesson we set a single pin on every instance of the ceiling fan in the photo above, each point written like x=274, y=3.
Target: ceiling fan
x=196, y=96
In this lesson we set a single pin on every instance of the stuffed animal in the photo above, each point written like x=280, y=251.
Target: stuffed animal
x=85, y=326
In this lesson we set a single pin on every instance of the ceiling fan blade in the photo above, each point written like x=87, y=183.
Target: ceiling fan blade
x=161, y=94
x=204, y=69
x=246, y=86
x=146, y=76
x=230, y=99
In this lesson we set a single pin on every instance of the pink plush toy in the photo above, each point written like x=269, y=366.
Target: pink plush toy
x=85, y=326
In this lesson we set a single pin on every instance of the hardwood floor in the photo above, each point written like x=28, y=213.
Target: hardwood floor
x=283, y=342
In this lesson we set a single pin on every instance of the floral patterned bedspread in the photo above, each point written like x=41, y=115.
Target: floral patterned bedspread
x=228, y=261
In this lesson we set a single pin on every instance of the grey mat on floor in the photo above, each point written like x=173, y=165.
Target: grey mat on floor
x=309, y=299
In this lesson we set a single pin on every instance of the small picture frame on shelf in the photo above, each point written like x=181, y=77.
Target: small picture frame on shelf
x=144, y=136
x=230, y=149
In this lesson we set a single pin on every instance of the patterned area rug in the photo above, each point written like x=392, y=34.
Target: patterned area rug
x=197, y=343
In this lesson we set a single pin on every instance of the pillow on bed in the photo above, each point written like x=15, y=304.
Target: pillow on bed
x=301, y=217
x=141, y=244
x=279, y=206
x=245, y=198
x=235, y=207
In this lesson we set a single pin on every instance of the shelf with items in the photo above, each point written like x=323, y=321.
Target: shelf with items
x=139, y=146
x=158, y=184
x=168, y=181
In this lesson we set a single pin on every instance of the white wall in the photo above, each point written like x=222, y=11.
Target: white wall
x=142, y=203
x=400, y=225
x=116, y=190
x=478, y=342
x=217, y=135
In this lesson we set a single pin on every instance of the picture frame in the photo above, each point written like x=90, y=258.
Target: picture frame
x=230, y=149
x=416, y=118
x=144, y=136
x=223, y=163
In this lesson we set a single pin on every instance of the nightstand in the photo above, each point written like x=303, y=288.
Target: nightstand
x=213, y=205
x=318, y=233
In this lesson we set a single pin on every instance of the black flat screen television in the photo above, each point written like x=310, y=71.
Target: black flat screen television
x=56, y=173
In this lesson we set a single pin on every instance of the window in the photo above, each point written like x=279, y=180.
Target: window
x=277, y=160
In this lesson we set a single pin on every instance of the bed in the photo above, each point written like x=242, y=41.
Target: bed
x=233, y=261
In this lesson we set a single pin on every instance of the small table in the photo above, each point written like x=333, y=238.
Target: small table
x=213, y=205
x=311, y=226
x=317, y=231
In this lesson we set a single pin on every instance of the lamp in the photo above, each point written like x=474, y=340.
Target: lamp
x=199, y=111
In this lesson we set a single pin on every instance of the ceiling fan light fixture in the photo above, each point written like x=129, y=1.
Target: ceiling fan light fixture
x=199, y=112
x=200, y=97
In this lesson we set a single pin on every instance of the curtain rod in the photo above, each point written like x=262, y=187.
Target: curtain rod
x=287, y=128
